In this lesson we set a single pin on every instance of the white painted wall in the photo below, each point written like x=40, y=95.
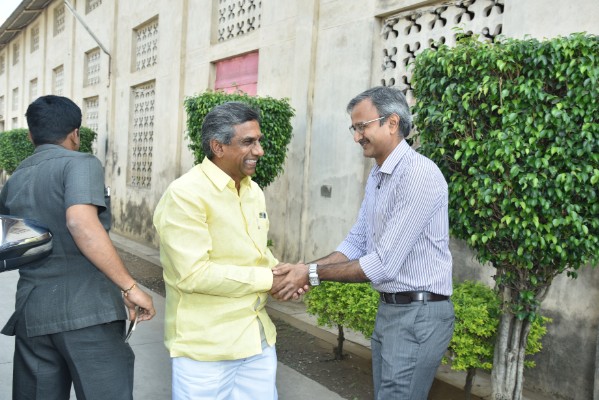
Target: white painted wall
x=319, y=54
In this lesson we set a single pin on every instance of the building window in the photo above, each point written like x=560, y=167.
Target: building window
x=146, y=45
x=91, y=113
x=92, y=67
x=91, y=5
x=32, y=90
x=15, y=123
x=141, y=138
x=15, y=53
x=236, y=18
x=1, y=107
x=35, y=38
x=58, y=80
x=2, y=65
x=15, y=99
x=59, y=20
x=238, y=74
x=406, y=34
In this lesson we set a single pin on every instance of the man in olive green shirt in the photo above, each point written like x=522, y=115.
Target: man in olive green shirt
x=213, y=230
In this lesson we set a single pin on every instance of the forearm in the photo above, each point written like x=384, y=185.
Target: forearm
x=346, y=271
x=95, y=244
x=337, y=267
x=333, y=258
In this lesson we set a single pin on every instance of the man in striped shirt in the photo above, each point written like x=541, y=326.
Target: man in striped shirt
x=399, y=243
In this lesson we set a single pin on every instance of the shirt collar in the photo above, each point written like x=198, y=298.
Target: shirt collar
x=393, y=159
x=47, y=146
x=219, y=178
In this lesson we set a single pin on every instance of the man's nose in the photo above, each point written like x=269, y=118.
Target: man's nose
x=358, y=136
x=257, y=149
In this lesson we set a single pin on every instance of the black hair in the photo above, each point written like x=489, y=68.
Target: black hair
x=51, y=118
x=219, y=123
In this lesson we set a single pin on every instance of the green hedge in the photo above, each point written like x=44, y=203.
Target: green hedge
x=15, y=146
x=88, y=137
x=477, y=311
x=276, y=127
x=352, y=306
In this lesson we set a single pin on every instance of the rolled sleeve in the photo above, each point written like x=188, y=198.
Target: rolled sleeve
x=373, y=268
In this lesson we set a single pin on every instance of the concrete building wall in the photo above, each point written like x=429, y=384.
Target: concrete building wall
x=318, y=54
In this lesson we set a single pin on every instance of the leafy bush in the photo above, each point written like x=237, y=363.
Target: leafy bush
x=513, y=126
x=87, y=137
x=351, y=306
x=477, y=310
x=15, y=146
x=472, y=347
x=275, y=126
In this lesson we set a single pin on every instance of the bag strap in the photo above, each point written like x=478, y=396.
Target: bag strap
x=15, y=263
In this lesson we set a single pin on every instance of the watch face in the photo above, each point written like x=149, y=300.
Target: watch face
x=313, y=275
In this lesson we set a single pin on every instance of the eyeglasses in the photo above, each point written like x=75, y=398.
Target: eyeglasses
x=360, y=127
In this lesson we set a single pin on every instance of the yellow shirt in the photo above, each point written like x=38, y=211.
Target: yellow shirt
x=217, y=267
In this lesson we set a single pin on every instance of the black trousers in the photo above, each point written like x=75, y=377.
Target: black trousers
x=96, y=360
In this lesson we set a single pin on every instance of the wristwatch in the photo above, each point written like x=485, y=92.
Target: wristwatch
x=313, y=275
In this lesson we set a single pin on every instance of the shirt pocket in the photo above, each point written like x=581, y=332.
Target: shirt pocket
x=260, y=225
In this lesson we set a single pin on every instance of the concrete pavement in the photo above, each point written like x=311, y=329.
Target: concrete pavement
x=152, y=362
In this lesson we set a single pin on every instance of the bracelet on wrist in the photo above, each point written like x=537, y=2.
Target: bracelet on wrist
x=125, y=292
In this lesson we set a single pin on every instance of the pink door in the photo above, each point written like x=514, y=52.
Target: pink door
x=238, y=74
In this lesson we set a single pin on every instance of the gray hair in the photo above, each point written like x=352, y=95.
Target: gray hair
x=219, y=124
x=387, y=101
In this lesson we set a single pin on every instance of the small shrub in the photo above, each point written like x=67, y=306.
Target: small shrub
x=477, y=312
x=15, y=146
x=275, y=126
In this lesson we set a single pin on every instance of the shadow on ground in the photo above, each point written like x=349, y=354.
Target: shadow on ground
x=351, y=377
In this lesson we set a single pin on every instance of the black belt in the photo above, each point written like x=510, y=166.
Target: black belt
x=408, y=297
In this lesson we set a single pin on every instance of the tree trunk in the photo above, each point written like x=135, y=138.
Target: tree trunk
x=471, y=372
x=340, y=340
x=507, y=376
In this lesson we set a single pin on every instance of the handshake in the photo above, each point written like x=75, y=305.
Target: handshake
x=290, y=281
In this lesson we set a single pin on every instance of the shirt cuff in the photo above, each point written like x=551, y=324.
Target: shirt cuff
x=264, y=279
x=372, y=267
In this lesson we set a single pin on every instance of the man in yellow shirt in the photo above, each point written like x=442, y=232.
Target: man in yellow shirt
x=213, y=230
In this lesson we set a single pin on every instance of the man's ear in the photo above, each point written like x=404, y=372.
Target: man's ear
x=217, y=148
x=30, y=137
x=74, y=136
x=394, y=123
x=71, y=141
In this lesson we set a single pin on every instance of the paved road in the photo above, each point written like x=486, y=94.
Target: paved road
x=152, y=364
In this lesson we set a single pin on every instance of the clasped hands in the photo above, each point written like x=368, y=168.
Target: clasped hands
x=290, y=281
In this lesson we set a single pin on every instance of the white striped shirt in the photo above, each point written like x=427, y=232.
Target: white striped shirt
x=401, y=235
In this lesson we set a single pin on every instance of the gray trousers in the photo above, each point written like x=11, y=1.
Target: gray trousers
x=96, y=360
x=408, y=343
